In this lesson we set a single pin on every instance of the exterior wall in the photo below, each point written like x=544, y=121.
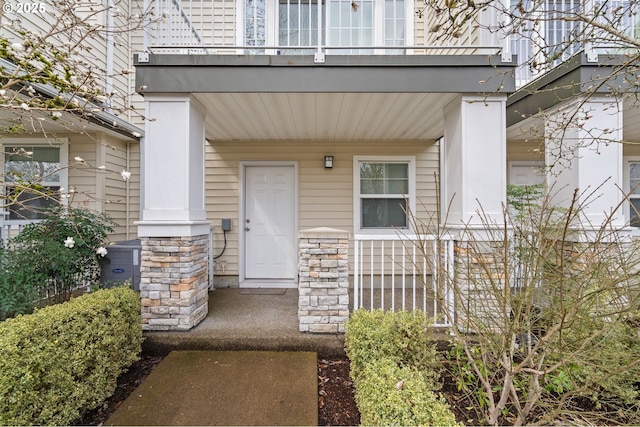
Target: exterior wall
x=134, y=189
x=525, y=151
x=95, y=50
x=631, y=149
x=325, y=196
x=104, y=189
x=122, y=197
x=83, y=179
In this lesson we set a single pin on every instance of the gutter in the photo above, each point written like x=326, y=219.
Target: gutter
x=103, y=119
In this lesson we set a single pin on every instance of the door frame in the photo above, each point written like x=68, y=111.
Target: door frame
x=253, y=283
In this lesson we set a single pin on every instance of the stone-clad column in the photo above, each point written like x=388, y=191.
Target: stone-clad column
x=173, y=226
x=174, y=282
x=323, y=286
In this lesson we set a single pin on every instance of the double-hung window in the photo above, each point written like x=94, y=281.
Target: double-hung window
x=289, y=26
x=383, y=193
x=33, y=174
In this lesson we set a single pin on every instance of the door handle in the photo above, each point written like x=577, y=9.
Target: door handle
x=247, y=229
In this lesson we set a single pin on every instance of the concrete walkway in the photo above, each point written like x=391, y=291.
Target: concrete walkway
x=215, y=388
x=245, y=364
x=248, y=319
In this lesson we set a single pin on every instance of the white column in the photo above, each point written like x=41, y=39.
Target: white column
x=584, y=152
x=474, y=161
x=173, y=168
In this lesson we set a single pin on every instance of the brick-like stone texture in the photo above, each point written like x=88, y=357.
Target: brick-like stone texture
x=174, y=282
x=323, y=274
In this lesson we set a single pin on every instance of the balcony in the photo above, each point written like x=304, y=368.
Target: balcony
x=312, y=27
x=540, y=35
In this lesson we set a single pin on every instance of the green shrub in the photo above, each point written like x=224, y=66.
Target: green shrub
x=64, y=359
x=18, y=288
x=395, y=368
x=390, y=395
x=401, y=337
x=53, y=257
x=609, y=370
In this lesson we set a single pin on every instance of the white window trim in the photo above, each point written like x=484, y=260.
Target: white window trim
x=411, y=161
x=635, y=231
x=63, y=145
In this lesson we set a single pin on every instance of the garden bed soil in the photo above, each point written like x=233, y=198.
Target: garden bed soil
x=336, y=403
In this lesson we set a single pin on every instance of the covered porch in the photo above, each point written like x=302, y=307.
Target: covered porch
x=245, y=138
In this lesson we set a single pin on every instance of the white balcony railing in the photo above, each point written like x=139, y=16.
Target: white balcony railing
x=404, y=273
x=248, y=27
x=548, y=32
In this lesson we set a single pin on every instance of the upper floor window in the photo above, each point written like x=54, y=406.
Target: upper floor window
x=384, y=193
x=296, y=24
x=34, y=175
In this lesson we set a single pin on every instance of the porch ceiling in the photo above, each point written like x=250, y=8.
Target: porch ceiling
x=532, y=128
x=324, y=116
x=577, y=76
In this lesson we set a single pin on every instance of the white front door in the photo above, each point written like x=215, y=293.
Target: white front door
x=269, y=223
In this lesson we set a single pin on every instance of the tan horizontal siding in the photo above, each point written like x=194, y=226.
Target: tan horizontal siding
x=631, y=149
x=134, y=189
x=82, y=178
x=524, y=151
x=325, y=197
x=118, y=191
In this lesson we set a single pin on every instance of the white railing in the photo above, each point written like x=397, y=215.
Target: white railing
x=548, y=33
x=174, y=27
x=10, y=228
x=227, y=27
x=398, y=272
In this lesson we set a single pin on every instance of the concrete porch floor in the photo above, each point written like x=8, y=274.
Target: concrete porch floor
x=247, y=319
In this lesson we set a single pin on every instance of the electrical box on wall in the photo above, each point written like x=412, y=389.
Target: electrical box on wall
x=226, y=224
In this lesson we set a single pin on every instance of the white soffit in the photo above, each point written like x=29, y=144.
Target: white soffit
x=324, y=116
x=533, y=128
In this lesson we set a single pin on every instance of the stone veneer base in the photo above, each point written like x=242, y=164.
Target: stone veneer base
x=174, y=282
x=323, y=287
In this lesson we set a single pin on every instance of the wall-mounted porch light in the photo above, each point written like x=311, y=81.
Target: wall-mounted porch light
x=328, y=162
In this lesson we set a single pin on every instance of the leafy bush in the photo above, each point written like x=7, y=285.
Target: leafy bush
x=18, y=289
x=52, y=257
x=390, y=395
x=395, y=369
x=64, y=359
x=609, y=368
x=401, y=337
